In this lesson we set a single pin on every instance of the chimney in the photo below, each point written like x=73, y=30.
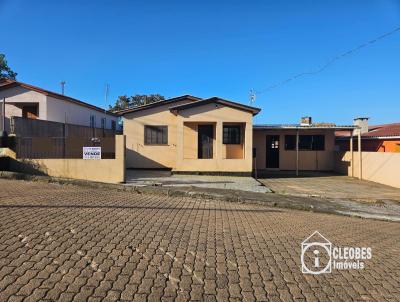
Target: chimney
x=306, y=121
x=361, y=122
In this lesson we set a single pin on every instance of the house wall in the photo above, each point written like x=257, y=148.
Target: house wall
x=64, y=111
x=139, y=155
x=217, y=114
x=308, y=160
x=20, y=95
x=381, y=167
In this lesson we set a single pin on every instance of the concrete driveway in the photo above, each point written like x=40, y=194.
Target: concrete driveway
x=331, y=186
x=166, y=179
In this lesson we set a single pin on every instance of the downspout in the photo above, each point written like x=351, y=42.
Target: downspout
x=3, y=118
x=351, y=154
x=359, y=155
x=297, y=152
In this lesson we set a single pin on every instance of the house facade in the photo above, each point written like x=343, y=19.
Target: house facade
x=24, y=100
x=194, y=135
x=190, y=134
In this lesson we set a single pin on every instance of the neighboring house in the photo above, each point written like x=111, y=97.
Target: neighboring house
x=379, y=138
x=190, y=134
x=275, y=146
x=28, y=101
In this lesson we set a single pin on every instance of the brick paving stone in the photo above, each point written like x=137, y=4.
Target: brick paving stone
x=69, y=243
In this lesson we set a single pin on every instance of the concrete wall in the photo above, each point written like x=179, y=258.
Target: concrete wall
x=308, y=160
x=381, y=167
x=104, y=170
x=180, y=154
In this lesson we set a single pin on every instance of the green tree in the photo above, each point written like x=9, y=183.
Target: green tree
x=5, y=70
x=121, y=103
x=125, y=102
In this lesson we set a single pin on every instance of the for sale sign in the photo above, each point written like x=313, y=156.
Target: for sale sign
x=91, y=152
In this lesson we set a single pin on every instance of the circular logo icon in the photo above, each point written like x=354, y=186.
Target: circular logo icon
x=316, y=258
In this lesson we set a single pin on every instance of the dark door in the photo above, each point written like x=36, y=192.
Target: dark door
x=30, y=112
x=272, y=160
x=205, y=141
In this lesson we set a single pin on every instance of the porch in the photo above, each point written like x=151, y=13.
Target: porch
x=207, y=146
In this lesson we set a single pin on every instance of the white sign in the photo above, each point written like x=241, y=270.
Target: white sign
x=319, y=256
x=91, y=152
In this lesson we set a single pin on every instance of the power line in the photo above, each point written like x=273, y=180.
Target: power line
x=329, y=63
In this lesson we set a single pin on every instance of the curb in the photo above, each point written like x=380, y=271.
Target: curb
x=191, y=192
x=274, y=200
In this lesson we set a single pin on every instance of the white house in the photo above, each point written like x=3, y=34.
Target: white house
x=28, y=101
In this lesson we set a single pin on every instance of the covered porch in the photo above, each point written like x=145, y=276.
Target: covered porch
x=300, y=148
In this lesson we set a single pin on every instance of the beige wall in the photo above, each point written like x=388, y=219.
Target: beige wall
x=217, y=114
x=381, y=167
x=308, y=160
x=139, y=155
x=181, y=152
x=104, y=170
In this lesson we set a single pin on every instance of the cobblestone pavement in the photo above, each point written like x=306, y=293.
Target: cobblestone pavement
x=63, y=243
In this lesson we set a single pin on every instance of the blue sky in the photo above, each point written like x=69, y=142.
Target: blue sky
x=213, y=48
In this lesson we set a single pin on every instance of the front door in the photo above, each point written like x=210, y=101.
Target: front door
x=272, y=160
x=205, y=141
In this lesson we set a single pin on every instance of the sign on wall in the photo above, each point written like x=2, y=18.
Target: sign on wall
x=91, y=152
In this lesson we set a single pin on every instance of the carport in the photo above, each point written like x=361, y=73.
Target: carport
x=300, y=147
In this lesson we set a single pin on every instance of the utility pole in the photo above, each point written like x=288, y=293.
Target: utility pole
x=3, y=118
x=106, y=103
x=62, y=87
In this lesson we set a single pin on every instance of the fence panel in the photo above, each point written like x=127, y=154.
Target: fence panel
x=44, y=139
x=24, y=127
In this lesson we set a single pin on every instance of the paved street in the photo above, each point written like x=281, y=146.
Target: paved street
x=64, y=243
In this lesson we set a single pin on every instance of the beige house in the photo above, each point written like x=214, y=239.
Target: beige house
x=24, y=100
x=189, y=134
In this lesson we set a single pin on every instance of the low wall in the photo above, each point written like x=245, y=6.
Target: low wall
x=381, y=167
x=103, y=170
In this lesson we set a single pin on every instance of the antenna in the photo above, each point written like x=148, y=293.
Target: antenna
x=62, y=87
x=106, y=94
x=252, y=96
x=106, y=103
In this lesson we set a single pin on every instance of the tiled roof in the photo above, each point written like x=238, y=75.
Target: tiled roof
x=384, y=130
